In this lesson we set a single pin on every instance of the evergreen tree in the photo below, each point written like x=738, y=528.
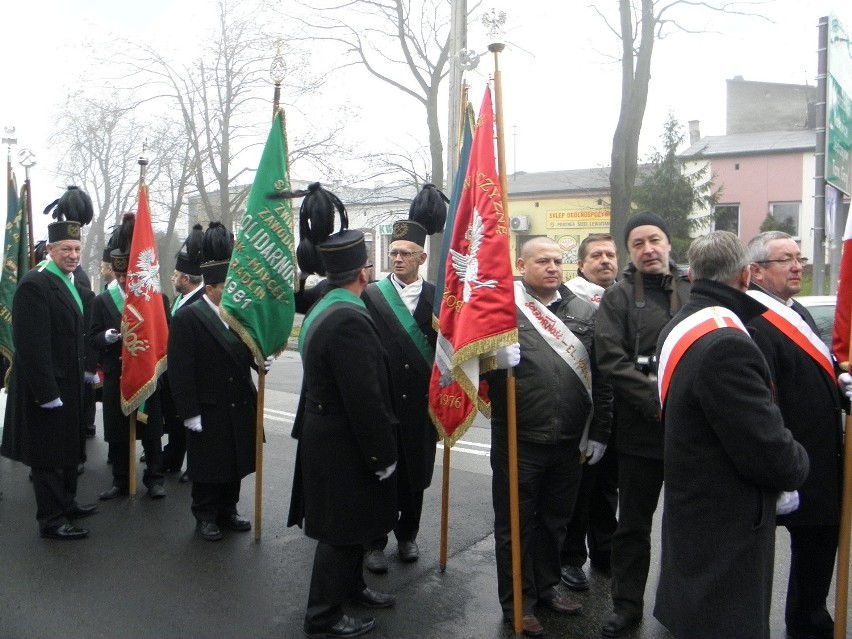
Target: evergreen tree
x=683, y=199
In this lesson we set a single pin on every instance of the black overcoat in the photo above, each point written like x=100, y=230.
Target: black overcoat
x=410, y=375
x=48, y=331
x=171, y=420
x=809, y=399
x=727, y=457
x=346, y=431
x=210, y=376
x=105, y=315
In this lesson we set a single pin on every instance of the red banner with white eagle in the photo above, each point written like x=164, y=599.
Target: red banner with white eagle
x=144, y=331
x=477, y=309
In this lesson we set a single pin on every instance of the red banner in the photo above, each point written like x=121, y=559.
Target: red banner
x=144, y=331
x=843, y=309
x=477, y=310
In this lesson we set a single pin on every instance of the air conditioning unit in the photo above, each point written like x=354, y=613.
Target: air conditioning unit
x=520, y=223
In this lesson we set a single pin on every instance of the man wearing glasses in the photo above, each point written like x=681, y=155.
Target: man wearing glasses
x=401, y=307
x=805, y=377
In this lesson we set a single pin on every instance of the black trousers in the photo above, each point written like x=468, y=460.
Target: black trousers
x=548, y=477
x=55, y=494
x=594, y=518
x=812, y=551
x=211, y=501
x=640, y=480
x=89, y=410
x=175, y=450
x=410, y=504
x=337, y=576
x=120, y=454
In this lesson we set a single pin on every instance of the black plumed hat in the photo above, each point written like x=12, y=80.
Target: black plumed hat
x=188, y=259
x=216, y=248
x=316, y=225
x=74, y=205
x=426, y=215
x=121, y=240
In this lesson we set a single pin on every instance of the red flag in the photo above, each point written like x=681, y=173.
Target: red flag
x=144, y=330
x=477, y=310
x=843, y=310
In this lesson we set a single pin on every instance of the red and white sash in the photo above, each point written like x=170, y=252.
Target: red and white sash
x=685, y=334
x=794, y=326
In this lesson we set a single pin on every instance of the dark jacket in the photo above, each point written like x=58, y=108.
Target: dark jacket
x=809, y=400
x=727, y=456
x=105, y=315
x=172, y=422
x=410, y=375
x=210, y=375
x=48, y=331
x=623, y=331
x=552, y=402
x=346, y=431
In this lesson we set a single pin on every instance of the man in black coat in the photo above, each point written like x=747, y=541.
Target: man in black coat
x=44, y=414
x=212, y=387
x=344, y=487
x=105, y=338
x=401, y=307
x=728, y=456
x=805, y=378
x=629, y=320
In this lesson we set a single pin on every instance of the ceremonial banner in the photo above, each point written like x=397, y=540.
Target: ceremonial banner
x=843, y=309
x=477, y=310
x=144, y=331
x=16, y=261
x=258, y=298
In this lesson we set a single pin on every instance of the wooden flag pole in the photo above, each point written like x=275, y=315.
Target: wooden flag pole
x=445, y=507
x=841, y=586
x=258, y=452
x=512, y=425
x=131, y=485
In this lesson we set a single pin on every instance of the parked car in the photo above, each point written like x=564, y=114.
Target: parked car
x=821, y=308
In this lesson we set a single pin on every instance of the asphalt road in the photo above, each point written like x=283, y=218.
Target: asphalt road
x=143, y=573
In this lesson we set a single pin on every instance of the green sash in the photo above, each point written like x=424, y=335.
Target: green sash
x=404, y=317
x=335, y=295
x=51, y=266
x=176, y=303
x=117, y=299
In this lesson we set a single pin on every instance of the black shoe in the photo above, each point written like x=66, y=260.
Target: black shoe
x=573, y=578
x=185, y=477
x=408, y=551
x=234, y=522
x=376, y=562
x=156, y=491
x=209, y=530
x=112, y=493
x=372, y=599
x=78, y=512
x=65, y=532
x=618, y=624
x=345, y=627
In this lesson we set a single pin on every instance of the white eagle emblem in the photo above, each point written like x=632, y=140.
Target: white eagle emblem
x=467, y=266
x=145, y=279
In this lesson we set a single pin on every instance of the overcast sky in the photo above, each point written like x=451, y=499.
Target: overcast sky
x=561, y=92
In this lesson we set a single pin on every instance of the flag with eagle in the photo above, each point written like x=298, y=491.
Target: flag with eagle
x=477, y=309
x=144, y=331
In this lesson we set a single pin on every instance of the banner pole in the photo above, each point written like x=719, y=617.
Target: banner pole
x=131, y=485
x=258, y=453
x=445, y=507
x=841, y=586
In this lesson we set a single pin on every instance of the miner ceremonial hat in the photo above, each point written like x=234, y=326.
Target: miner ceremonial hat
x=119, y=256
x=426, y=215
x=646, y=218
x=344, y=251
x=188, y=260
x=72, y=211
x=216, y=249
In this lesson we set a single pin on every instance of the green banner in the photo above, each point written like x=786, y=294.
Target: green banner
x=15, y=261
x=258, y=298
x=838, y=130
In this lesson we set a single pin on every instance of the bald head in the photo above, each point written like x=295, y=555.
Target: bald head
x=540, y=266
x=536, y=244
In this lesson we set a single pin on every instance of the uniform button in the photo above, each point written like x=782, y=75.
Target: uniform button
x=407, y=367
x=230, y=379
x=319, y=406
x=404, y=396
x=232, y=405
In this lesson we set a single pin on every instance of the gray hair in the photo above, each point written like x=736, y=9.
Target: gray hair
x=719, y=256
x=757, y=247
x=344, y=278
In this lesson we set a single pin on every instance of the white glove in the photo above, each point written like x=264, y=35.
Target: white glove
x=845, y=381
x=387, y=472
x=91, y=378
x=111, y=336
x=787, y=502
x=509, y=356
x=267, y=363
x=193, y=424
x=594, y=452
x=54, y=403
